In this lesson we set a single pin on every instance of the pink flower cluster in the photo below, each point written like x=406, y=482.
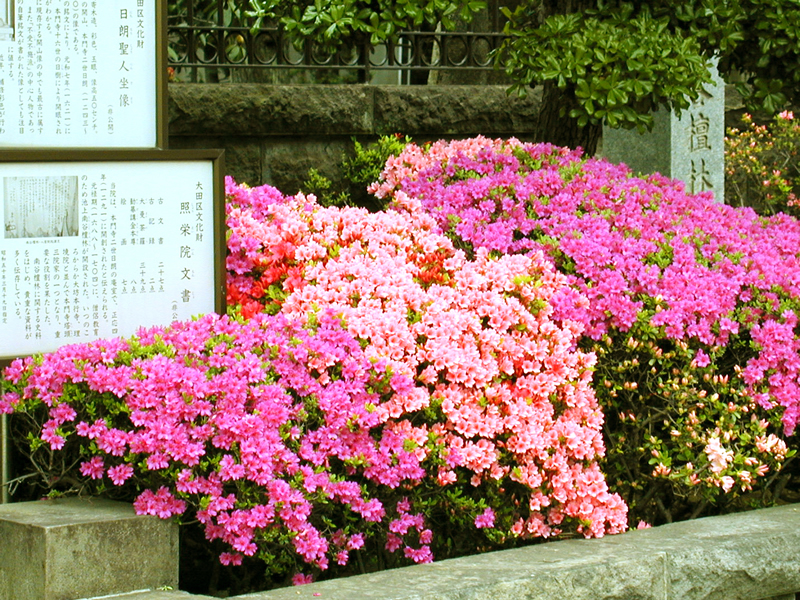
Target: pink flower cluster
x=394, y=376
x=499, y=393
x=635, y=248
x=262, y=427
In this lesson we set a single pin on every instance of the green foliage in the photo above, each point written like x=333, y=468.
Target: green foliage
x=206, y=13
x=359, y=170
x=332, y=24
x=611, y=68
x=659, y=456
x=762, y=165
x=617, y=60
x=325, y=191
x=367, y=163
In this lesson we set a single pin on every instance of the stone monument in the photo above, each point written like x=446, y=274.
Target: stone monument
x=689, y=147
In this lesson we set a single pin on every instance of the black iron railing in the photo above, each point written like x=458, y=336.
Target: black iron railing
x=221, y=42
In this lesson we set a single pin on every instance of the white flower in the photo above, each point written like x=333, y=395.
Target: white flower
x=718, y=456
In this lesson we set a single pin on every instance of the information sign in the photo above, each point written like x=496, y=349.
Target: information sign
x=82, y=74
x=102, y=244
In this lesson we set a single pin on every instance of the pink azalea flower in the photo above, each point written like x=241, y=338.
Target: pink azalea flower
x=93, y=468
x=485, y=519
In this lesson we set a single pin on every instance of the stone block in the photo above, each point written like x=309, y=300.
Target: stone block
x=431, y=111
x=689, y=147
x=242, y=158
x=83, y=547
x=577, y=570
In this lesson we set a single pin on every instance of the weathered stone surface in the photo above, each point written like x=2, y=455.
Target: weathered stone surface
x=287, y=160
x=274, y=134
x=243, y=156
x=689, y=147
x=454, y=110
x=76, y=548
x=746, y=556
x=264, y=110
x=154, y=595
x=250, y=110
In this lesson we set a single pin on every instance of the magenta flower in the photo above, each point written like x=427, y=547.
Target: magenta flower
x=120, y=473
x=93, y=468
x=485, y=519
x=656, y=276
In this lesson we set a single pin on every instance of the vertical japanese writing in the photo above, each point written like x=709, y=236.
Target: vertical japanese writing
x=73, y=71
x=23, y=21
x=4, y=289
x=37, y=298
x=63, y=71
x=188, y=213
x=131, y=36
x=124, y=52
x=89, y=252
x=700, y=176
x=700, y=179
x=141, y=31
x=113, y=290
x=199, y=213
x=38, y=68
x=3, y=64
x=46, y=304
x=699, y=132
x=87, y=51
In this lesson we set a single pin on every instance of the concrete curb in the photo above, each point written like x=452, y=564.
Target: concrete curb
x=83, y=547
x=744, y=556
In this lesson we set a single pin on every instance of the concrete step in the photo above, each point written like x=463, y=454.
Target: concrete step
x=82, y=548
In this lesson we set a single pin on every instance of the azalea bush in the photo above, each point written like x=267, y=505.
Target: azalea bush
x=501, y=407
x=762, y=164
x=264, y=431
x=375, y=398
x=690, y=307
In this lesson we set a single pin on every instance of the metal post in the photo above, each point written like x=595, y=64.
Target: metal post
x=5, y=444
x=5, y=460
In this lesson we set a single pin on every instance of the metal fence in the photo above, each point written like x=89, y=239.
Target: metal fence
x=220, y=42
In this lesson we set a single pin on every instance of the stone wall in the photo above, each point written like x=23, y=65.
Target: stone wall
x=745, y=556
x=274, y=134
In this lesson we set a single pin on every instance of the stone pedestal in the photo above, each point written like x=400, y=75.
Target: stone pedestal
x=690, y=147
x=83, y=547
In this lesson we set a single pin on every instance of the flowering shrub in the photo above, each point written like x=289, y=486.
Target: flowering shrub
x=264, y=431
x=380, y=393
x=762, y=165
x=500, y=413
x=691, y=307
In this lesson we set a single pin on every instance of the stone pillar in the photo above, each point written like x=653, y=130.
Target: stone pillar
x=689, y=147
x=81, y=548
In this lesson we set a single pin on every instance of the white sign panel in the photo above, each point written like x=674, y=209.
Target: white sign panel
x=78, y=73
x=98, y=249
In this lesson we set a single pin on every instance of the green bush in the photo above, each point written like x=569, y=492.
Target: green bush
x=762, y=165
x=358, y=171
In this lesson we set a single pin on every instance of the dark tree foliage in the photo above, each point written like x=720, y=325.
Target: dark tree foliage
x=616, y=61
